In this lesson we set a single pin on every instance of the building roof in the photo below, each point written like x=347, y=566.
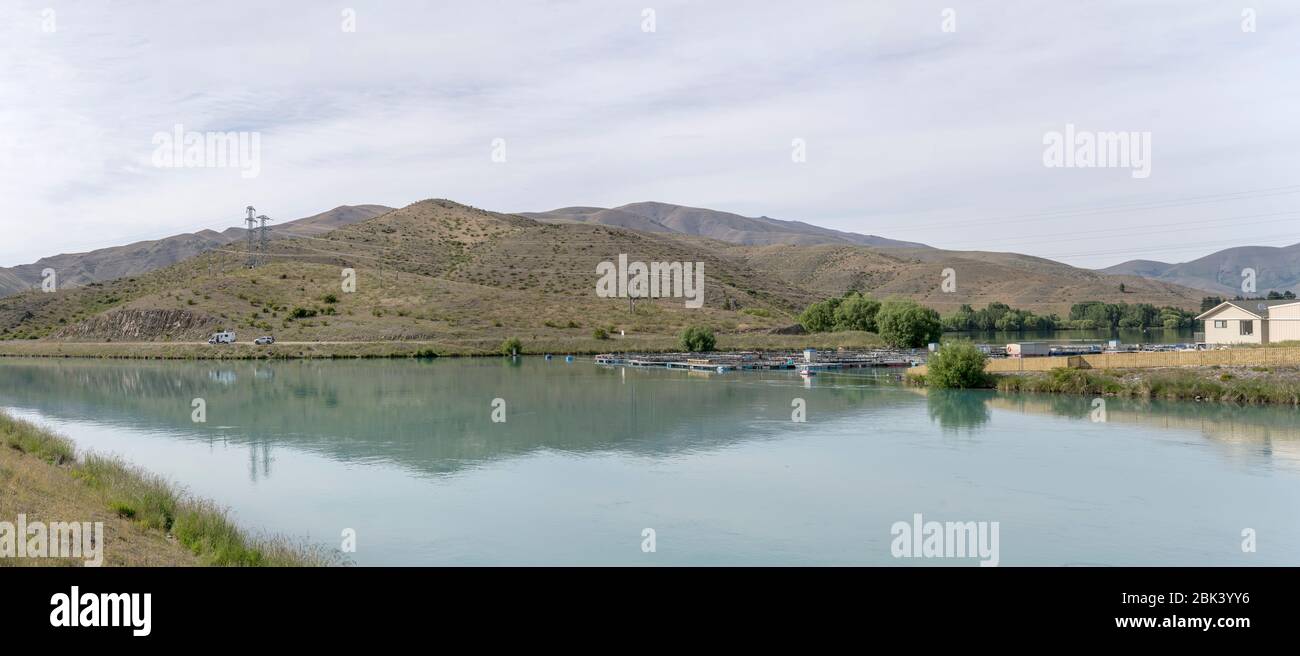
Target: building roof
x=1257, y=308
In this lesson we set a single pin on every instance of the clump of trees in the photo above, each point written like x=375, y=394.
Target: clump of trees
x=1209, y=302
x=698, y=339
x=853, y=311
x=908, y=324
x=998, y=316
x=1095, y=314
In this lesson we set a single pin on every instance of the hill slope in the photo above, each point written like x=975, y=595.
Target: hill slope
x=75, y=269
x=441, y=271
x=723, y=226
x=1021, y=281
x=435, y=270
x=1276, y=269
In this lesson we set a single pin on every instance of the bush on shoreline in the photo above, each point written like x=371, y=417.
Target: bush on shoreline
x=958, y=365
x=698, y=339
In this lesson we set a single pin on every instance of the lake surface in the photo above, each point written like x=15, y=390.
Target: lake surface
x=406, y=454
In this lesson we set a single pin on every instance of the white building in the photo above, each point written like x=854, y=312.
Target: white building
x=1252, y=322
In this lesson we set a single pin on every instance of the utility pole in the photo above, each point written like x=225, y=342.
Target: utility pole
x=251, y=220
x=261, y=237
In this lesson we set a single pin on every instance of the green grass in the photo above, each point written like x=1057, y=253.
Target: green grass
x=154, y=503
x=1186, y=384
x=33, y=440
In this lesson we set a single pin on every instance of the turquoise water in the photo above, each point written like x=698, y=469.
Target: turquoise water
x=406, y=454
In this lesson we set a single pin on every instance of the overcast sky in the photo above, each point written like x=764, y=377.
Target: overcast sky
x=912, y=132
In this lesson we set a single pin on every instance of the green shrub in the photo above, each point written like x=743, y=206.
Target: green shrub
x=698, y=339
x=957, y=365
x=512, y=346
x=600, y=333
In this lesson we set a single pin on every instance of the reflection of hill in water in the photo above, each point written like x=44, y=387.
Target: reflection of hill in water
x=1272, y=432
x=435, y=416
x=432, y=416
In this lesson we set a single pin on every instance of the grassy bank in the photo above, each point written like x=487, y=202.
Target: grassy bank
x=405, y=349
x=147, y=520
x=1243, y=385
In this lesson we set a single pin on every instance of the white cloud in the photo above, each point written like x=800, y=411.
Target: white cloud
x=912, y=133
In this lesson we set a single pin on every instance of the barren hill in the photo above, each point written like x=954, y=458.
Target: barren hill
x=140, y=257
x=723, y=226
x=1276, y=269
x=439, y=270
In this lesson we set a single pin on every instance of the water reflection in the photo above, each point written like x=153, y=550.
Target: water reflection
x=1267, y=433
x=435, y=416
x=958, y=409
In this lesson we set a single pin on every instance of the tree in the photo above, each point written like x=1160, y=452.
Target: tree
x=698, y=339
x=820, y=317
x=1210, y=302
x=957, y=365
x=856, y=312
x=906, y=324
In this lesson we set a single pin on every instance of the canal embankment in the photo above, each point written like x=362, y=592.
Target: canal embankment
x=145, y=520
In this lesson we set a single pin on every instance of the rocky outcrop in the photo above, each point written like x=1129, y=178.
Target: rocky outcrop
x=142, y=325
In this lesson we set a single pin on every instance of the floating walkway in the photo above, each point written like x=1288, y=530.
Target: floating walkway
x=806, y=362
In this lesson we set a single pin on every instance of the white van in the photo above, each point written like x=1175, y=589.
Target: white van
x=224, y=337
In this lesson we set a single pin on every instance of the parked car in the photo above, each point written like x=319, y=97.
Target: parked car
x=264, y=340
x=224, y=337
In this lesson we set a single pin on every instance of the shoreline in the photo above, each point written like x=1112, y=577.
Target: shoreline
x=727, y=342
x=1241, y=385
x=146, y=520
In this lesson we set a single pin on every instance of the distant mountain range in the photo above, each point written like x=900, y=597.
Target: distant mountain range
x=1276, y=269
x=104, y=264
x=439, y=270
x=723, y=226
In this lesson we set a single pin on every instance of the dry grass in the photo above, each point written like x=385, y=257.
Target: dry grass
x=30, y=485
x=147, y=520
